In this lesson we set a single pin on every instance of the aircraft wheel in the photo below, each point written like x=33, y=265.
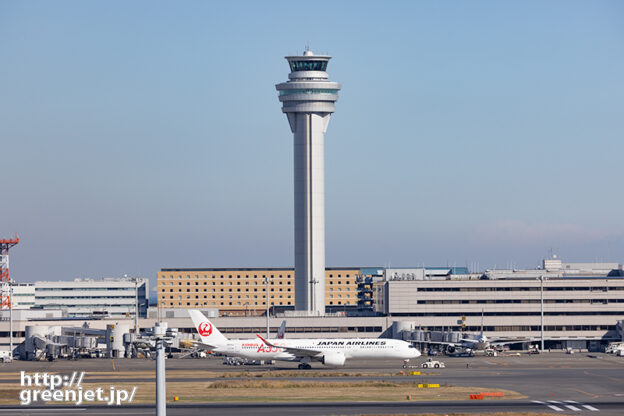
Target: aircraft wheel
x=300, y=366
x=307, y=367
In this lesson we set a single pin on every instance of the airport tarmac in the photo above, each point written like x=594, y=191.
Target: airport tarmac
x=555, y=383
x=604, y=408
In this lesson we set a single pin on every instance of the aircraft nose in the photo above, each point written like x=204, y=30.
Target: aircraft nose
x=416, y=354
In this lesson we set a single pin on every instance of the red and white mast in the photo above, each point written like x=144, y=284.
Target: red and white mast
x=5, y=291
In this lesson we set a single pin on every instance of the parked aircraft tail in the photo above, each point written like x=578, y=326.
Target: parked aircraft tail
x=282, y=330
x=208, y=333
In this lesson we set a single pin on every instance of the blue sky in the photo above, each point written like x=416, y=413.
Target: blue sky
x=141, y=135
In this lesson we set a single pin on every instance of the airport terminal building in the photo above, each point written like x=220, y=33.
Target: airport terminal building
x=85, y=298
x=582, y=304
x=568, y=301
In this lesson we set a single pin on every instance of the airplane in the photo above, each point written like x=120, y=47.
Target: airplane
x=478, y=343
x=470, y=345
x=330, y=352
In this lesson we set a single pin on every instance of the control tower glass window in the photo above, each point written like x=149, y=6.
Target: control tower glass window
x=308, y=91
x=308, y=65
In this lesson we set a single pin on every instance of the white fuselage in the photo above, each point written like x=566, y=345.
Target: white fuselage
x=351, y=348
x=479, y=344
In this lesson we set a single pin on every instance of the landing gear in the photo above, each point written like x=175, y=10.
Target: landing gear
x=305, y=366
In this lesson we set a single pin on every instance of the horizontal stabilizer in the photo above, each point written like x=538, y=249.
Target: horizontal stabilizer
x=204, y=345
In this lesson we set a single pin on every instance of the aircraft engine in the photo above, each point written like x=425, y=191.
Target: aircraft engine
x=450, y=349
x=334, y=359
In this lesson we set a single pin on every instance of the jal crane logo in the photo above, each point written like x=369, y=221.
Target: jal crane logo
x=205, y=329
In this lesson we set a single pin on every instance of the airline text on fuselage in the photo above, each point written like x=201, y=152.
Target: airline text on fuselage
x=347, y=343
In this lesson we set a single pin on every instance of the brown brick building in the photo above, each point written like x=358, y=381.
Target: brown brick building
x=242, y=291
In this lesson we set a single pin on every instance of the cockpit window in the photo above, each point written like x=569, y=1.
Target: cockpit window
x=411, y=346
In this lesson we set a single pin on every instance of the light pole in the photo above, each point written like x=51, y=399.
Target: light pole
x=542, y=311
x=267, y=281
x=136, y=305
x=11, y=322
x=313, y=283
x=162, y=335
x=159, y=332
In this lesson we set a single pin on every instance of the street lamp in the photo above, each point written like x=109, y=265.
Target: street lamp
x=162, y=335
x=136, y=305
x=541, y=279
x=267, y=281
x=11, y=322
x=313, y=283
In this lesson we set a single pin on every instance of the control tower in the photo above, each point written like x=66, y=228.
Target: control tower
x=308, y=100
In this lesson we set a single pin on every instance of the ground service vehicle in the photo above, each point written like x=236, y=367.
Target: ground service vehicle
x=432, y=364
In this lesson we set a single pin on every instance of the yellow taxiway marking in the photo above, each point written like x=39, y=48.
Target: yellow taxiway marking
x=617, y=380
x=595, y=396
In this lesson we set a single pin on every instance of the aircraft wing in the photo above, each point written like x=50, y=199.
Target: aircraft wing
x=506, y=341
x=298, y=352
x=438, y=342
x=56, y=344
x=516, y=341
